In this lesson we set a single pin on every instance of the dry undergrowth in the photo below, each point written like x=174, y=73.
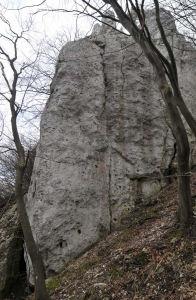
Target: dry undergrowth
x=148, y=257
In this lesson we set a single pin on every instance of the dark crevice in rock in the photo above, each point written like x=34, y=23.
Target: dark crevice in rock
x=122, y=98
x=172, y=167
x=107, y=133
x=145, y=176
x=109, y=193
x=22, y=265
x=124, y=157
x=102, y=46
x=16, y=267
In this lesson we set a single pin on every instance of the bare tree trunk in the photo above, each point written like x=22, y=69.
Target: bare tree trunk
x=41, y=292
x=36, y=259
x=187, y=115
x=12, y=93
x=185, y=211
x=185, y=208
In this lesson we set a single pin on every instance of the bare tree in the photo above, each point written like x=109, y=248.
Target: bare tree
x=8, y=164
x=14, y=93
x=184, y=12
x=27, y=66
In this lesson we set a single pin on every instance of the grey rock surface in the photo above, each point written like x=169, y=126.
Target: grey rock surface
x=105, y=143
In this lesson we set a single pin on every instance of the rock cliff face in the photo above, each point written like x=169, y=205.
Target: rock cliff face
x=105, y=143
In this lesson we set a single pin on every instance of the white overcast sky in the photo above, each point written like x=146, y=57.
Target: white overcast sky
x=44, y=24
x=49, y=22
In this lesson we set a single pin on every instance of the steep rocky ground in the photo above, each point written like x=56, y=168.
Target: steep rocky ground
x=148, y=257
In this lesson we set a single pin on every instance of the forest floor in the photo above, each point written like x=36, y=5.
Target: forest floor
x=148, y=257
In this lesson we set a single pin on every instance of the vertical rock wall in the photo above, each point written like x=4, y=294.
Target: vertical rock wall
x=105, y=142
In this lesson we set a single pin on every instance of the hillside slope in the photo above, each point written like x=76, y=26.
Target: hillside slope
x=149, y=257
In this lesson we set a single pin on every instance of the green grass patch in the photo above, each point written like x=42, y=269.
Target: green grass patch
x=54, y=282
